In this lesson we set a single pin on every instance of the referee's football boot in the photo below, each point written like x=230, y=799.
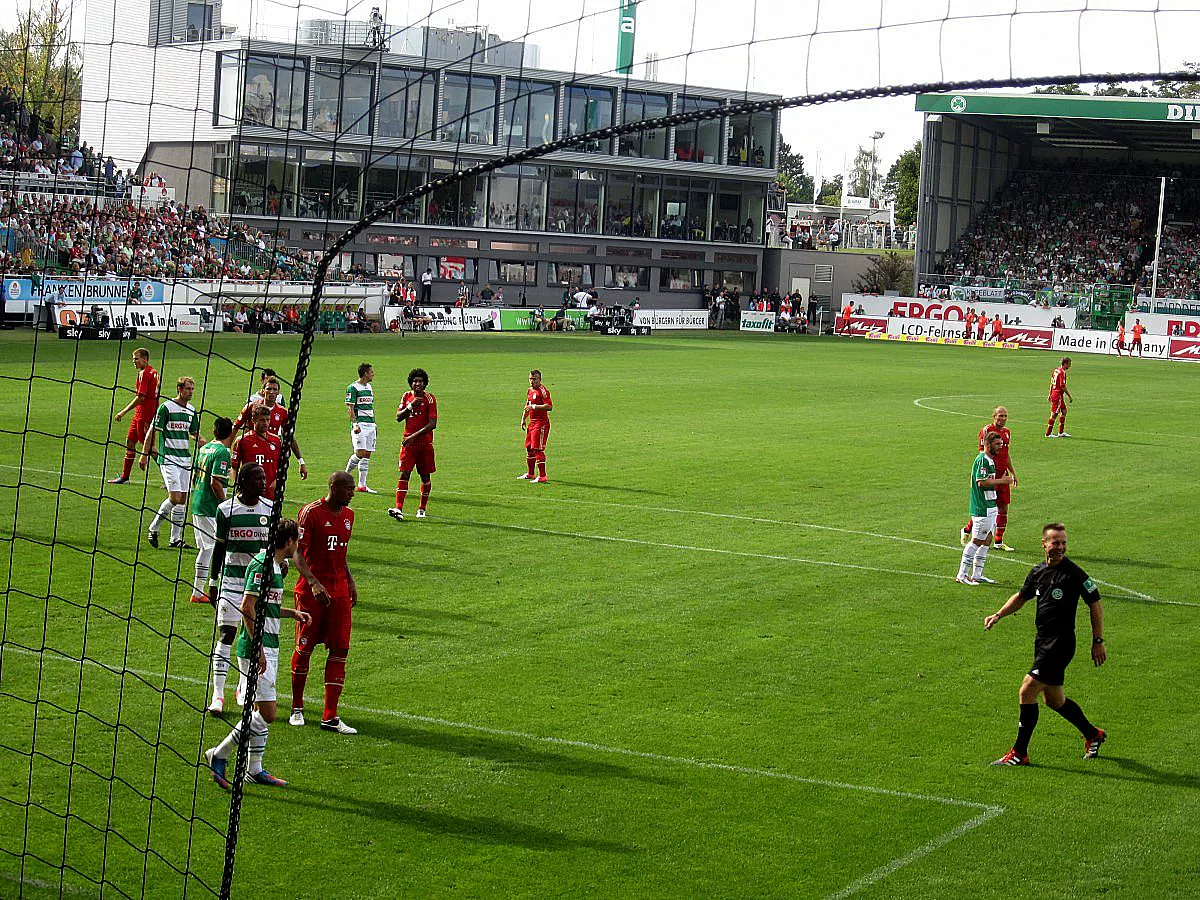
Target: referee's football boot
x=1091, y=746
x=1012, y=759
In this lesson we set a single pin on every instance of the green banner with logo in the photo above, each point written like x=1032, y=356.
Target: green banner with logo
x=627, y=25
x=522, y=319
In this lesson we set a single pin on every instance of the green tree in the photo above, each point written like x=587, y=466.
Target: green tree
x=902, y=184
x=831, y=192
x=889, y=271
x=41, y=66
x=797, y=183
x=1072, y=89
x=864, y=172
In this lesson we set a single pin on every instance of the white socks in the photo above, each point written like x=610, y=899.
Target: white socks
x=220, y=669
x=968, y=559
x=364, y=465
x=178, y=514
x=980, y=558
x=352, y=462
x=258, y=742
x=166, y=510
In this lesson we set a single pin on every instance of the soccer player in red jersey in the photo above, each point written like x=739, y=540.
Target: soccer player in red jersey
x=327, y=592
x=1121, y=338
x=418, y=412
x=1138, y=330
x=1004, y=466
x=535, y=422
x=145, y=402
x=969, y=322
x=277, y=415
x=981, y=325
x=260, y=446
x=997, y=328
x=1058, y=397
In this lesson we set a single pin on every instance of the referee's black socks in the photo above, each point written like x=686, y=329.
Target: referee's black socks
x=1072, y=713
x=1029, y=717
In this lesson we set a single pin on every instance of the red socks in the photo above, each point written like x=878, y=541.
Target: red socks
x=425, y=488
x=127, y=466
x=401, y=492
x=529, y=462
x=541, y=464
x=1001, y=524
x=335, y=678
x=299, y=673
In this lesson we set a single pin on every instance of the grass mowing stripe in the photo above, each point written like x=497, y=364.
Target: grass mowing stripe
x=688, y=547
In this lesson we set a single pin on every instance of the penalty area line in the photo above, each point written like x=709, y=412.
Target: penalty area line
x=985, y=812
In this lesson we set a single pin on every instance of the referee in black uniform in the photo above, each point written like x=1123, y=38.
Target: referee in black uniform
x=1058, y=584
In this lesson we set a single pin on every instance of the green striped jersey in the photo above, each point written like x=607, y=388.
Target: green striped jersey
x=273, y=599
x=982, y=498
x=176, y=423
x=244, y=530
x=361, y=399
x=212, y=462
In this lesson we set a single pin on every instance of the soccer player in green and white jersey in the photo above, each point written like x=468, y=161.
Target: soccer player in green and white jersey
x=170, y=441
x=984, y=482
x=360, y=401
x=241, y=532
x=213, y=465
x=287, y=535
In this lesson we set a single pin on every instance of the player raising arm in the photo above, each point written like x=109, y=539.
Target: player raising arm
x=535, y=422
x=145, y=402
x=360, y=403
x=418, y=412
x=1058, y=406
x=1057, y=583
x=175, y=425
x=270, y=590
x=327, y=592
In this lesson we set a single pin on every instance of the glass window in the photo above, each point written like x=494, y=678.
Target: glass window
x=589, y=108
x=469, y=109
x=265, y=180
x=275, y=92
x=386, y=237
x=342, y=98
x=463, y=203
x=456, y=243
x=629, y=252
x=199, y=23
x=518, y=198
x=330, y=184
x=406, y=104
x=572, y=249
x=229, y=88
x=453, y=268
x=514, y=246
x=678, y=279
x=574, y=204
x=740, y=281
x=507, y=271
x=752, y=142
x=394, y=265
x=570, y=275
x=698, y=141
x=530, y=109
x=683, y=212
x=738, y=212
x=646, y=144
x=631, y=204
x=627, y=277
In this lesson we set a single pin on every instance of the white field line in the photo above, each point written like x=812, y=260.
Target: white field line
x=42, y=885
x=986, y=812
x=716, y=550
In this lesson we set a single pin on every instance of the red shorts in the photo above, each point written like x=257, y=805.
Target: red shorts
x=417, y=457
x=330, y=624
x=138, y=429
x=1004, y=494
x=536, y=435
x=1056, y=404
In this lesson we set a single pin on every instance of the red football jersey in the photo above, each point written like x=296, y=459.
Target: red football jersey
x=1058, y=381
x=540, y=395
x=147, y=386
x=279, y=415
x=1138, y=331
x=419, y=417
x=1003, y=464
x=324, y=539
x=251, y=448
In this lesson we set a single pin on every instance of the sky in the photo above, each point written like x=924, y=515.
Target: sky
x=797, y=47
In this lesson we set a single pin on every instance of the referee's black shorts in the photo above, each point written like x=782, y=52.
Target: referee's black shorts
x=1051, y=656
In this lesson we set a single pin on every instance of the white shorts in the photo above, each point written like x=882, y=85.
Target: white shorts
x=176, y=480
x=229, y=612
x=365, y=439
x=982, y=526
x=205, y=529
x=265, y=689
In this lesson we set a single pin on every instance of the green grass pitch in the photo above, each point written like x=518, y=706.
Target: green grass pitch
x=722, y=654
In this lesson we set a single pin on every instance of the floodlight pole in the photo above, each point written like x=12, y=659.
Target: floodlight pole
x=1162, y=196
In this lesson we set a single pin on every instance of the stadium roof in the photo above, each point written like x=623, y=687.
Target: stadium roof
x=1141, y=124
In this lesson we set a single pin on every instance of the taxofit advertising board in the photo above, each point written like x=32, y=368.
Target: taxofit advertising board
x=758, y=321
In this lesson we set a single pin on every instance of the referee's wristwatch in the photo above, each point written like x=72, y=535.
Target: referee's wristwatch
x=1097, y=640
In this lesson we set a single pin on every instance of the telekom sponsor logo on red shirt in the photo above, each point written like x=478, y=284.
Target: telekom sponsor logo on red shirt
x=1185, y=348
x=1030, y=338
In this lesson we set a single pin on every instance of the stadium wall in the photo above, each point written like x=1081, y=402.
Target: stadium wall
x=818, y=275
